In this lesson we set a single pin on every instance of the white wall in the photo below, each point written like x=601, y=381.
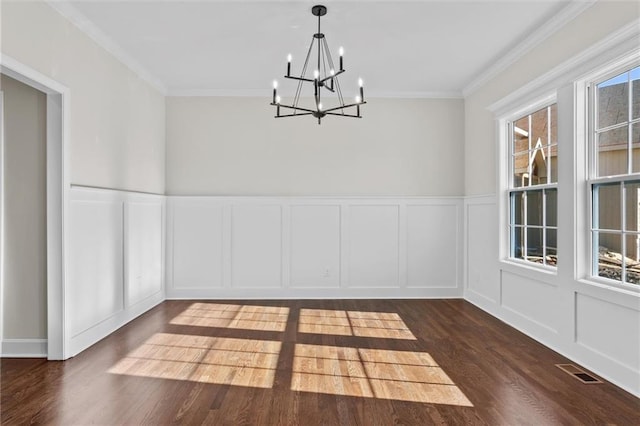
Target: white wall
x=234, y=146
x=117, y=119
x=305, y=247
x=25, y=240
x=596, y=325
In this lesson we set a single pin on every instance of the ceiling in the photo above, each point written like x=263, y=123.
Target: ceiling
x=399, y=48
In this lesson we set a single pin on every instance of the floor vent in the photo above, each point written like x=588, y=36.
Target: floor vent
x=578, y=373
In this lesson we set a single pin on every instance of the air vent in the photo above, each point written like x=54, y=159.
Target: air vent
x=578, y=373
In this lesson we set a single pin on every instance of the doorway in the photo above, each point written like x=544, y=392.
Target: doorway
x=57, y=185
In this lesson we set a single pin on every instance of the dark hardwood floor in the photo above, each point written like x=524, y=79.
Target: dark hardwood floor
x=307, y=362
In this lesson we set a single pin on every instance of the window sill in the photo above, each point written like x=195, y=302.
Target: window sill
x=611, y=285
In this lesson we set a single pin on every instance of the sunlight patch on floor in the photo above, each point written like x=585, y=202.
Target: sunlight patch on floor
x=386, y=325
x=373, y=373
x=219, y=360
x=246, y=317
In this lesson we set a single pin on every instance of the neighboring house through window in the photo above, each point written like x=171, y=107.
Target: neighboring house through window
x=615, y=176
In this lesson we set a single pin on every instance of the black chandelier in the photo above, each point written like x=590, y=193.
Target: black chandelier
x=323, y=77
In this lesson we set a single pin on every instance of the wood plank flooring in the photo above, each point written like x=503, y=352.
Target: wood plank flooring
x=310, y=362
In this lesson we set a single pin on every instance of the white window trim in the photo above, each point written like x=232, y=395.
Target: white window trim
x=505, y=174
x=585, y=117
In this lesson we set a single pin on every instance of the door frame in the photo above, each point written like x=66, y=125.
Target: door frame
x=58, y=185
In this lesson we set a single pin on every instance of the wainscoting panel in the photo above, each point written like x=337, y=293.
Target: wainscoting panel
x=373, y=246
x=196, y=244
x=609, y=329
x=313, y=247
x=95, y=284
x=533, y=301
x=144, y=250
x=433, y=245
x=256, y=246
x=114, y=262
x=482, y=276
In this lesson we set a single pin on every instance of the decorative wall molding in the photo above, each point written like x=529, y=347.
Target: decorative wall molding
x=24, y=348
x=314, y=247
x=555, y=23
x=115, y=262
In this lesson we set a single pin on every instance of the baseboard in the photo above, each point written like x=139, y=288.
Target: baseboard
x=316, y=293
x=24, y=348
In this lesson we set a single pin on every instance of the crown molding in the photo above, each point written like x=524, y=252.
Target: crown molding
x=618, y=46
x=266, y=92
x=566, y=15
x=84, y=24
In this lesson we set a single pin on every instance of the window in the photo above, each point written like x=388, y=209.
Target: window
x=615, y=177
x=533, y=192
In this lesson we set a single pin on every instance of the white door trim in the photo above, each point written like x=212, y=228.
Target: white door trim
x=58, y=184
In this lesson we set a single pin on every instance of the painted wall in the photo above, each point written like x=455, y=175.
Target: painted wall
x=480, y=138
x=595, y=325
x=24, y=301
x=234, y=146
x=117, y=119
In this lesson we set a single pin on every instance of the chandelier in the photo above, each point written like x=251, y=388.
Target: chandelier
x=323, y=77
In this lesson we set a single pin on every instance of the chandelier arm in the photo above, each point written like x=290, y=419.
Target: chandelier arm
x=331, y=76
x=295, y=107
x=293, y=115
x=343, y=107
x=341, y=115
x=298, y=78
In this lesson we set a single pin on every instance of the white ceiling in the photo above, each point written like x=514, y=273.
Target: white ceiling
x=399, y=48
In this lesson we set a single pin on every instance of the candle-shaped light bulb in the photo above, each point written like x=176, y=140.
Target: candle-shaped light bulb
x=275, y=87
x=316, y=74
x=358, y=99
x=341, y=51
x=277, y=99
x=320, y=106
x=289, y=64
x=332, y=72
x=289, y=57
x=360, y=82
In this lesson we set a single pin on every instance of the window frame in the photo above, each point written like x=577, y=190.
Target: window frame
x=505, y=179
x=592, y=180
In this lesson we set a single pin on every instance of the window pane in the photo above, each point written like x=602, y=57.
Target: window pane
x=635, y=86
x=552, y=244
x=534, y=245
x=520, y=170
x=613, y=101
x=539, y=128
x=609, y=259
x=534, y=208
x=521, y=135
x=632, y=259
x=517, y=242
x=552, y=155
x=635, y=145
x=552, y=207
x=554, y=124
x=517, y=208
x=631, y=193
x=612, y=152
x=607, y=215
